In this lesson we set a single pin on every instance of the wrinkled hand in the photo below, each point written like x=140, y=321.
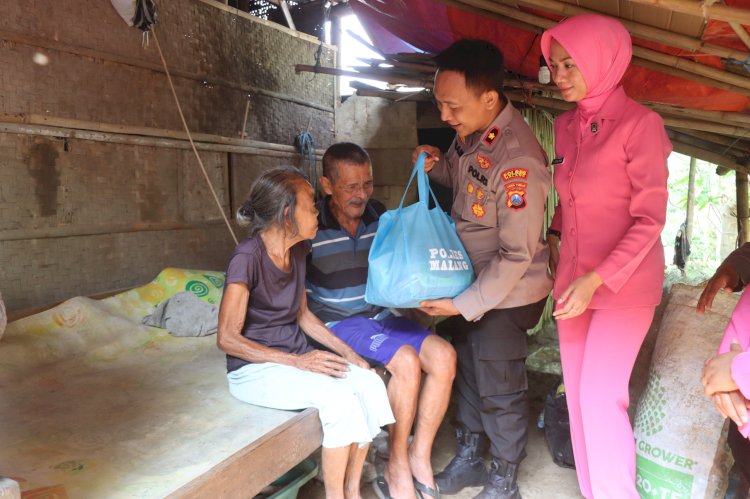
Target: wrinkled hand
x=319, y=361
x=441, y=306
x=717, y=372
x=433, y=156
x=732, y=405
x=358, y=361
x=554, y=253
x=575, y=300
x=726, y=278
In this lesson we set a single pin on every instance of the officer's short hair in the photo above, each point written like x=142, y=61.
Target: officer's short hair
x=479, y=61
x=343, y=152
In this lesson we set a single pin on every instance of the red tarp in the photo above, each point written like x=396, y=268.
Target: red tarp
x=431, y=27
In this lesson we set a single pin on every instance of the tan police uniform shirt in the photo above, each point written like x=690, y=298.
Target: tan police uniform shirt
x=500, y=179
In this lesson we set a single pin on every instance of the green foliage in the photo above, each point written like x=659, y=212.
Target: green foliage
x=714, y=195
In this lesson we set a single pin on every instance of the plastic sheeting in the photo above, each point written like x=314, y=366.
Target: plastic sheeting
x=431, y=27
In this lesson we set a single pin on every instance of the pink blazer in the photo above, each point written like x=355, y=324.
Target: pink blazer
x=611, y=177
x=738, y=330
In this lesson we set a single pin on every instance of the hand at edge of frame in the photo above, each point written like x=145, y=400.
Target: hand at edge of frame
x=726, y=278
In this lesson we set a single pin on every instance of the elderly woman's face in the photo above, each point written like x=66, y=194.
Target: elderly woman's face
x=566, y=74
x=305, y=213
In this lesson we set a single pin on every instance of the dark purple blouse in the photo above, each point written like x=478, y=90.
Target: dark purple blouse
x=275, y=297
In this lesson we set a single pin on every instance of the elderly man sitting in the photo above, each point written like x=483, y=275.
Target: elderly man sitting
x=336, y=280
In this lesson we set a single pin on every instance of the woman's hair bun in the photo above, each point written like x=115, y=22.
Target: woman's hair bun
x=245, y=214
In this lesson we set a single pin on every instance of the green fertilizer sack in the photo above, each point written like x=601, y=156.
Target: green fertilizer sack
x=681, y=450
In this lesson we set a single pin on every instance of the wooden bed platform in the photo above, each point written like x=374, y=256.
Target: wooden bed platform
x=96, y=405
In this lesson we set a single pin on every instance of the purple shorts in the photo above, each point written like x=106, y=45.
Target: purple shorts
x=380, y=339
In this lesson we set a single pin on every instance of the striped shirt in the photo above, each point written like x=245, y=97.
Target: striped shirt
x=337, y=265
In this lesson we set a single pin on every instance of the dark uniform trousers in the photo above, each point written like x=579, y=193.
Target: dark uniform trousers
x=491, y=384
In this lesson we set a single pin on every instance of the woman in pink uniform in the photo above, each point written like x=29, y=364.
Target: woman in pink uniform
x=606, y=253
x=726, y=376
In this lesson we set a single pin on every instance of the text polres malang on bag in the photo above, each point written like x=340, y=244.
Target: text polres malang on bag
x=447, y=259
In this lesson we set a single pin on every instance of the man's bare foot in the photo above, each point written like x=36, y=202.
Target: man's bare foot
x=421, y=470
x=400, y=481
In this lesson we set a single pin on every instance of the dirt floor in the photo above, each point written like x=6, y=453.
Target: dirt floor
x=539, y=477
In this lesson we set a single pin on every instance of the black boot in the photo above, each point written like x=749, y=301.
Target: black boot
x=501, y=483
x=466, y=469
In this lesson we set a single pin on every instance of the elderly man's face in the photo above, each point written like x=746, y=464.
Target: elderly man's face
x=350, y=189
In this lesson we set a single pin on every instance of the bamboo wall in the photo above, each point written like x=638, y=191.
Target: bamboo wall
x=541, y=122
x=98, y=187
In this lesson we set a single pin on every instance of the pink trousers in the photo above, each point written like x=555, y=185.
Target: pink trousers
x=598, y=349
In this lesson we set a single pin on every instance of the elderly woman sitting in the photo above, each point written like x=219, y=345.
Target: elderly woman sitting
x=262, y=321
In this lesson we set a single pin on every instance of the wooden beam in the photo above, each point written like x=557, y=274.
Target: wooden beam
x=535, y=100
x=244, y=15
x=639, y=30
x=652, y=59
x=724, y=124
x=497, y=15
x=705, y=126
x=221, y=144
x=105, y=229
x=393, y=95
x=706, y=155
x=727, y=144
x=427, y=69
x=704, y=141
x=698, y=9
x=696, y=68
x=370, y=74
x=95, y=126
x=741, y=33
x=701, y=142
x=715, y=116
x=283, y=447
x=287, y=14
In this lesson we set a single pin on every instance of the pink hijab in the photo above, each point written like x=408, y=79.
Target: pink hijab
x=600, y=47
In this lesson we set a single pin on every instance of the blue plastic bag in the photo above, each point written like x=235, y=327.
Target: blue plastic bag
x=416, y=254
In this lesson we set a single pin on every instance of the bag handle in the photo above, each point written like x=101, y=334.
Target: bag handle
x=423, y=184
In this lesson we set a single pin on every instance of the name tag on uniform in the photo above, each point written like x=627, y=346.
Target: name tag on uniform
x=558, y=161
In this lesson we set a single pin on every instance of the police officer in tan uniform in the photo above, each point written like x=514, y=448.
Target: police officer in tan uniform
x=500, y=179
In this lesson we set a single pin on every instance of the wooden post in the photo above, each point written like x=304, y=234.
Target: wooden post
x=287, y=14
x=743, y=212
x=690, y=201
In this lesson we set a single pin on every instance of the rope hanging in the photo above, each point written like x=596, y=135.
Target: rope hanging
x=190, y=138
x=306, y=145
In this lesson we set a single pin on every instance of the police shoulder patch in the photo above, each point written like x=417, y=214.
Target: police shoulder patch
x=484, y=162
x=516, y=186
x=478, y=210
x=515, y=174
x=516, y=199
x=491, y=135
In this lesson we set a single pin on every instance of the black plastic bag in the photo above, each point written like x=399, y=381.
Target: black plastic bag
x=557, y=427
